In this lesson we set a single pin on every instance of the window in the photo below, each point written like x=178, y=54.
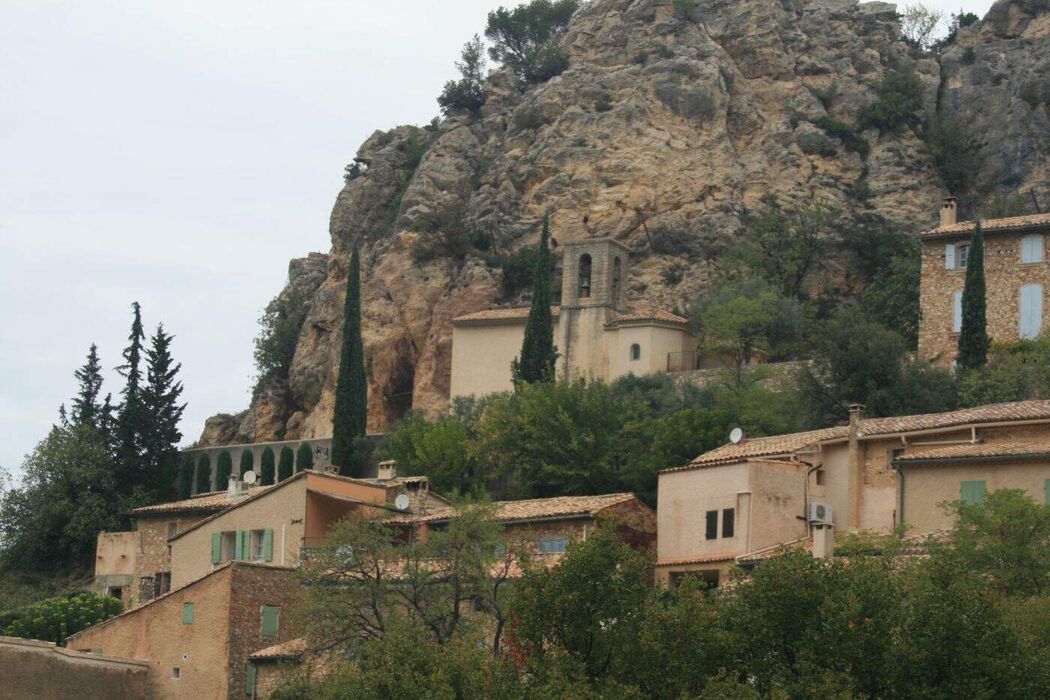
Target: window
x=728, y=522
x=1030, y=311
x=616, y=280
x=636, y=352
x=957, y=312
x=962, y=256
x=223, y=547
x=1032, y=248
x=271, y=616
x=821, y=476
x=249, y=679
x=257, y=545
x=711, y=530
x=189, y=612
x=973, y=492
x=176, y=673
x=552, y=546
x=585, y=276
x=161, y=583
x=115, y=592
x=949, y=256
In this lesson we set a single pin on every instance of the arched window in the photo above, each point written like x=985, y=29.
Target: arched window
x=636, y=352
x=616, y=280
x=585, y=276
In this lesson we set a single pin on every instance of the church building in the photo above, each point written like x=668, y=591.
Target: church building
x=598, y=335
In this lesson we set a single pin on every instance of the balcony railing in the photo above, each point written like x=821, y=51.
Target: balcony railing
x=683, y=361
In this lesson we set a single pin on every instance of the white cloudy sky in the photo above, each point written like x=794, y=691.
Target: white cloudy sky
x=179, y=154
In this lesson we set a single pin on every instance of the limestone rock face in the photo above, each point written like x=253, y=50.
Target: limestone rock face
x=662, y=132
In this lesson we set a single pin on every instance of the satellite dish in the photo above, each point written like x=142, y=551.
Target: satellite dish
x=249, y=477
x=736, y=436
x=402, y=502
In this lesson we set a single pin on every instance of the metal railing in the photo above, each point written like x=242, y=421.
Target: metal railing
x=685, y=361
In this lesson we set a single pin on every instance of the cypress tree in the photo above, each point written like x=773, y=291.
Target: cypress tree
x=224, y=467
x=973, y=337
x=304, y=459
x=538, y=356
x=160, y=400
x=287, y=464
x=131, y=420
x=86, y=410
x=266, y=467
x=185, y=489
x=204, y=474
x=351, y=392
x=247, y=462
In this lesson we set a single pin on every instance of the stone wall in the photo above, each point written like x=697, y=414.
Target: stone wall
x=42, y=671
x=252, y=588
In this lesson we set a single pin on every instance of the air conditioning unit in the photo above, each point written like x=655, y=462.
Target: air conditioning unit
x=819, y=512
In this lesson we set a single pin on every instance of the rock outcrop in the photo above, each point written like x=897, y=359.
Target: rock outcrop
x=664, y=130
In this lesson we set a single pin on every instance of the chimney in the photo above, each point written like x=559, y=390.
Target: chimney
x=235, y=487
x=823, y=540
x=949, y=211
x=387, y=470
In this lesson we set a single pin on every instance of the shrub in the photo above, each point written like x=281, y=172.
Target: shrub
x=684, y=8
x=224, y=467
x=304, y=459
x=266, y=467
x=844, y=133
x=54, y=619
x=247, y=462
x=525, y=38
x=516, y=269
x=898, y=99
x=286, y=466
x=279, y=328
x=185, y=489
x=468, y=93
x=918, y=24
x=603, y=103
x=445, y=233
x=204, y=474
x=969, y=55
x=1005, y=205
x=529, y=118
x=951, y=145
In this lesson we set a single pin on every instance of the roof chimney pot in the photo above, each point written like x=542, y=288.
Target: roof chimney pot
x=949, y=211
x=387, y=470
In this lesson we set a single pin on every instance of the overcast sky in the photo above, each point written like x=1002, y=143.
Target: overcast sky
x=180, y=154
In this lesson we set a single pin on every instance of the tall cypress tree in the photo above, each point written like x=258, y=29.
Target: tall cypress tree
x=86, y=410
x=973, y=337
x=131, y=421
x=538, y=355
x=351, y=391
x=160, y=399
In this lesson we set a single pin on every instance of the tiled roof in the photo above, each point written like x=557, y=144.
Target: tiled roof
x=1012, y=223
x=782, y=445
x=804, y=544
x=516, y=314
x=649, y=314
x=291, y=649
x=211, y=502
x=1010, y=448
x=709, y=559
x=562, y=506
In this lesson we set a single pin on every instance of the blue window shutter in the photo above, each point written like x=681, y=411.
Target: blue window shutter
x=949, y=256
x=216, y=547
x=267, y=545
x=189, y=612
x=249, y=679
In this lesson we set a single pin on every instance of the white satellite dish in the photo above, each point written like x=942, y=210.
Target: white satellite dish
x=249, y=477
x=736, y=436
x=402, y=502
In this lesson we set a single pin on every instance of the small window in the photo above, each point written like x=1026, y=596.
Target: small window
x=711, y=530
x=189, y=613
x=228, y=549
x=1032, y=248
x=585, y=276
x=271, y=617
x=728, y=522
x=257, y=544
x=821, y=476
x=162, y=582
x=962, y=256
x=957, y=312
x=636, y=352
x=973, y=492
x=553, y=546
x=176, y=673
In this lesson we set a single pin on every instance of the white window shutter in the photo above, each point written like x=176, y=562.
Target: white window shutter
x=1030, y=311
x=1032, y=248
x=949, y=256
x=957, y=312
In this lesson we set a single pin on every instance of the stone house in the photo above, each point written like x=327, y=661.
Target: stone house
x=197, y=638
x=1017, y=276
x=597, y=333
x=873, y=474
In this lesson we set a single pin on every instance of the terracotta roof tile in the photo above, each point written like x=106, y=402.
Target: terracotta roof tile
x=649, y=314
x=291, y=649
x=764, y=447
x=1010, y=448
x=516, y=314
x=562, y=506
x=1012, y=223
x=709, y=559
x=211, y=502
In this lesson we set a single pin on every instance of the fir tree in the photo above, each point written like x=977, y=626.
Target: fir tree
x=351, y=393
x=304, y=459
x=538, y=355
x=267, y=467
x=973, y=337
x=160, y=399
x=287, y=464
x=132, y=419
x=86, y=410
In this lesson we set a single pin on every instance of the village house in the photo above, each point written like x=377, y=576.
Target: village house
x=1017, y=275
x=597, y=333
x=873, y=474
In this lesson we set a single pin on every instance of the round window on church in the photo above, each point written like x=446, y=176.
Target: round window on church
x=636, y=352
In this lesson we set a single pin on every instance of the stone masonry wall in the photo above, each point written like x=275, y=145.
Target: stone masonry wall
x=43, y=671
x=253, y=587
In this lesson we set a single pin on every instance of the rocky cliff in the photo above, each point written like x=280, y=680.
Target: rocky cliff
x=666, y=127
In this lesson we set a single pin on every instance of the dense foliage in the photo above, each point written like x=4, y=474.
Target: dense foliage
x=304, y=458
x=351, y=391
x=897, y=103
x=267, y=467
x=54, y=619
x=279, y=328
x=468, y=93
x=1014, y=372
x=525, y=39
x=286, y=464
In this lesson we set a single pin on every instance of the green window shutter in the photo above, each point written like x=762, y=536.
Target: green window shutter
x=249, y=680
x=267, y=545
x=966, y=492
x=979, y=490
x=1046, y=489
x=270, y=620
x=189, y=611
x=242, y=545
x=216, y=547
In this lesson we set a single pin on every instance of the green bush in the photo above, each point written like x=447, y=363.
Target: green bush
x=951, y=145
x=468, y=93
x=530, y=118
x=516, y=271
x=54, y=619
x=969, y=55
x=844, y=133
x=279, y=328
x=445, y=234
x=525, y=39
x=286, y=465
x=224, y=467
x=305, y=458
x=266, y=467
x=203, y=474
x=898, y=100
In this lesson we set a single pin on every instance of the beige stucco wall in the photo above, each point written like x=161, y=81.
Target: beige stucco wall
x=777, y=501
x=43, y=671
x=116, y=553
x=683, y=500
x=655, y=343
x=481, y=356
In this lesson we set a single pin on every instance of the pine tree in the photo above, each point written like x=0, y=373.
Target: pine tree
x=86, y=410
x=304, y=459
x=160, y=400
x=973, y=337
x=538, y=355
x=204, y=474
x=132, y=420
x=287, y=464
x=351, y=392
x=266, y=467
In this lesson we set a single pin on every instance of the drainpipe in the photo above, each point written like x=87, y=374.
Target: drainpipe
x=855, y=479
x=900, y=498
